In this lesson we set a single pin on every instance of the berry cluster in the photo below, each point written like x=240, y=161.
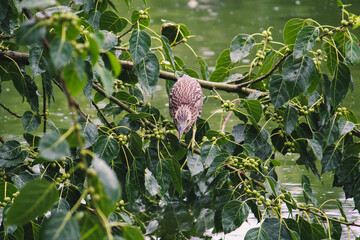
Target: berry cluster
x=228, y=105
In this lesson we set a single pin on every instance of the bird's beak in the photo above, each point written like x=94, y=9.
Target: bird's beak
x=181, y=131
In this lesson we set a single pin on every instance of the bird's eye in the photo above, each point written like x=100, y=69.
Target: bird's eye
x=187, y=121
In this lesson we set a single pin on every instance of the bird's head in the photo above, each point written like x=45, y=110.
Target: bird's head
x=182, y=119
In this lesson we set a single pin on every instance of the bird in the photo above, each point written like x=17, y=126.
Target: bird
x=185, y=105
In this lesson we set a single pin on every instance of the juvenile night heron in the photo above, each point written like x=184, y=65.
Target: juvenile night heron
x=185, y=105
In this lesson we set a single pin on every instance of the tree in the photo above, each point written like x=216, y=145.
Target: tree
x=133, y=178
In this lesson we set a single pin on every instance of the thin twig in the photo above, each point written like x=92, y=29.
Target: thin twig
x=228, y=117
x=102, y=115
x=130, y=29
x=6, y=37
x=11, y=112
x=267, y=74
x=44, y=105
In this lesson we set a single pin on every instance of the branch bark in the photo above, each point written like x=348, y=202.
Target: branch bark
x=23, y=58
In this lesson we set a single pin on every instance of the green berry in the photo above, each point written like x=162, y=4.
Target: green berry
x=342, y=219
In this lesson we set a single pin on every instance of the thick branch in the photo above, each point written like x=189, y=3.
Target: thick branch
x=205, y=84
x=22, y=58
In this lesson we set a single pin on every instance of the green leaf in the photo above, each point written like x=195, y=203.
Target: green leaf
x=111, y=22
x=106, y=147
x=349, y=170
x=305, y=40
x=316, y=148
x=37, y=60
x=30, y=32
x=275, y=229
x=240, y=47
x=30, y=121
x=291, y=30
x=311, y=231
x=331, y=158
x=140, y=43
x=256, y=234
x=108, y=180
x=151, y=184
x=175, y=177
x=253, y=107
x=35, y=198
x=204, y=69
x=132, y=233
x=194, y=164
x=10, y=150
x=37, y=3
x=208, y=152
x=94, y=48
x=93, y=18
x=298, y=75
x=168, y=51
x=6, y=189
x=174, y=32
x=234, y=214
x=217, y=163
x=75, y=78
x=345, y=126
x=110, y=40
x=333, y=57
x=90, y=227
x=307, y=191
x=53, y=146
x=147, y=70
x=220, y=74
x=277, y=90
x=352, y=51
x=89, y=131
x=272, y=186
x=204, y=221
x=115, y=64
x=224, y=60
x=176, y=218
x=340, y=84
x=60, y=52
x=60, y=225
x=106, y=79
x=290, y=119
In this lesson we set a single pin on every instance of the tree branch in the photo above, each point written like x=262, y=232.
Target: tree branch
x=9, y=111
x=23, y=59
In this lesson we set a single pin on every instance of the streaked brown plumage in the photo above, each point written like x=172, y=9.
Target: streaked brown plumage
x=185, y=103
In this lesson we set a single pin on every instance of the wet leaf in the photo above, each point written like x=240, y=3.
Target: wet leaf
x=277, y=90
x=147, y=70
x=140, y=43
x=106, y=147
x=53, y=146
x=60, y=226
x=35, y=198
x=240, y=47
x=305, y=40
x=234, y=214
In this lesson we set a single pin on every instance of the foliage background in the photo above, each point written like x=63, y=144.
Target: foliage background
x=233, y=167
